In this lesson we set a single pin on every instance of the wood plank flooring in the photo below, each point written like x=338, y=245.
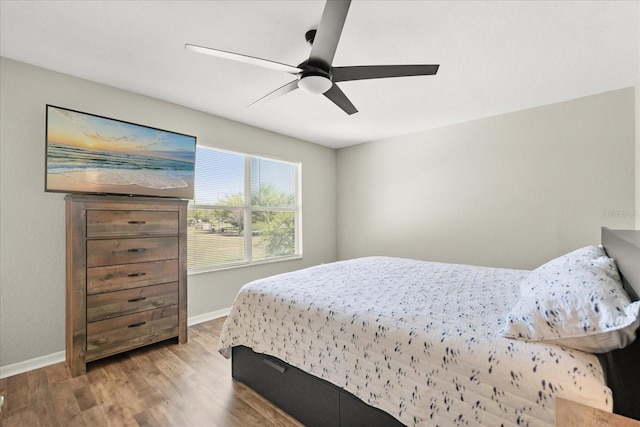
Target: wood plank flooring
x=161, y=385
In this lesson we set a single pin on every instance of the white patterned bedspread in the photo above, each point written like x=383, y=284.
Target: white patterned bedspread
x=416, y=339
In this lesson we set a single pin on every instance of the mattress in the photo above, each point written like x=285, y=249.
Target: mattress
x=416, y=339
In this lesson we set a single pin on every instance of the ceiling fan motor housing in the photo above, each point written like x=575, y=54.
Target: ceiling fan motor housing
x=310, y=36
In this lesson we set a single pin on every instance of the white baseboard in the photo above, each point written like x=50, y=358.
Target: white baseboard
x=51, y=359
x=31, y=364
x=194, y=320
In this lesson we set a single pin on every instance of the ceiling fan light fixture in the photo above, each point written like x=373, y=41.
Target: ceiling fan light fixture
x=315, y=84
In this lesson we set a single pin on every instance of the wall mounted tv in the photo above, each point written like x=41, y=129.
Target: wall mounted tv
x=86, y=153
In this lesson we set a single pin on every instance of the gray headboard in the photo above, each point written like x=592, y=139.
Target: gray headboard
x=621, y=366
x=624, y=247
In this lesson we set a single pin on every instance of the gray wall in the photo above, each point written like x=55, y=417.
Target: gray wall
x=637, y=211
x=511, y=191
x=32, y=230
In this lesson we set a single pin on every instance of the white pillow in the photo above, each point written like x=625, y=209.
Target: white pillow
x=563, y=265
x=576, y=301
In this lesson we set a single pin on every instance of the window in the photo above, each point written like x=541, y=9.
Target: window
x=246, y=209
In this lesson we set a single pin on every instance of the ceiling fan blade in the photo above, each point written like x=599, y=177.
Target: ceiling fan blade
x=282, y=90
x=326, y=39
x=343, y=74
x=340, y=99
x=244, y=58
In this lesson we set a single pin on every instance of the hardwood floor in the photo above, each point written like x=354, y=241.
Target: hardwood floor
x=161, y=385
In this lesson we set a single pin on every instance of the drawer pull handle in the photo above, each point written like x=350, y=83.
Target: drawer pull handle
x=274, y=365
x=137, y=299
x=135, y=325
x=137, y=250
x=136, y=274
x=137, y=222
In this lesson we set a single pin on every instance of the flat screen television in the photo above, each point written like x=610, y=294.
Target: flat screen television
x=91, y=154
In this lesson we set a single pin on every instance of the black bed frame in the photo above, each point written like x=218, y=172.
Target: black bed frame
x=310, y=400
x=316, y=402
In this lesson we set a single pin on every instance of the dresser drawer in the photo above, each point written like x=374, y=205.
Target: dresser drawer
x=128, y=276
x=107, y=223
x=129, y=251
x=119, y=303
x=109, y=333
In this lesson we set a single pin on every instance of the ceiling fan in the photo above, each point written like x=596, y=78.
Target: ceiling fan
x=317, y=75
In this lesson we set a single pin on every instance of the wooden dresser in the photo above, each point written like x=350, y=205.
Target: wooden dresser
x=126, y=283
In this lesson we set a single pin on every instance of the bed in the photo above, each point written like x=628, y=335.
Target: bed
x=394, y=341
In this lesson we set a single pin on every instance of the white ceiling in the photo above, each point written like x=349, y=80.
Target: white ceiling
x=495, y=57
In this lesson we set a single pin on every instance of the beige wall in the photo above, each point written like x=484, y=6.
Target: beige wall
x=32, y=230
x=512, y=191
x=637, y=212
